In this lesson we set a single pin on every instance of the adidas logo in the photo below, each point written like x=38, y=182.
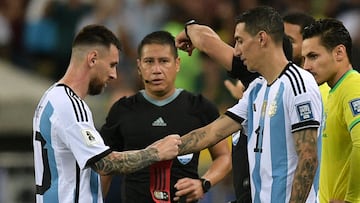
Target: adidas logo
x=159, y=122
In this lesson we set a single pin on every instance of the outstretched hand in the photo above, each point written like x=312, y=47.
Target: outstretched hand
x=236, y=90
x=167, y=148
x=184, y=43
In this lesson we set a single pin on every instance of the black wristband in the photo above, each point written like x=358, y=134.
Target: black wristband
x=190, y=22
x=206, y=184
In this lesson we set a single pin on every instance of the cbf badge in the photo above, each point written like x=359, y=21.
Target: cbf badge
x=355, y=106
x=304, y=111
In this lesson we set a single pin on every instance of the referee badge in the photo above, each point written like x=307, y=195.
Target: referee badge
x=355, y=106
x=185, y=159
x=304, y=111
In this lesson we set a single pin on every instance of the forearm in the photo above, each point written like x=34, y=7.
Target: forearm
x=305, y=143
x=193, y=141
x=126, y=162
x=206, y=40
x=105, y=184
x=209, y=135
x=221, y=164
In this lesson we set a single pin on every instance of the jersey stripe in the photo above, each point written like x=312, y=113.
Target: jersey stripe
x=51, y=195
x=94, y=186
x=278, y=154
x=296, y=80
x=77, y=188
x=78, y=106
x=301, y=78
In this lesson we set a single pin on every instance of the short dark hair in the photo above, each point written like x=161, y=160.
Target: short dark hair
x=159, y=37
x=96, y=35
x=263, y=18
x=332, y=33
x=298, y=18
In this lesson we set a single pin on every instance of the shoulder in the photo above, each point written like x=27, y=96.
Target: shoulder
x=199, y=105
x=69, y=105
x=298, y=80
x=196, y=99
x=126, y=103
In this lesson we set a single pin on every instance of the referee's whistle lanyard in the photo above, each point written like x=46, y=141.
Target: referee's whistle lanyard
x=260, y=130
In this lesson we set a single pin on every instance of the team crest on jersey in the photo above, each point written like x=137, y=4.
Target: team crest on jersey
x=355, y=106
x=89, y=136
x=185, y=159
x=304, y=111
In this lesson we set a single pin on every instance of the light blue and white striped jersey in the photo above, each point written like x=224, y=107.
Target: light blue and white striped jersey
x=271, y=113
x=65, y=143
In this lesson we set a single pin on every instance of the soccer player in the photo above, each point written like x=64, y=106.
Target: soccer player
x=327, y=51
x=205, y=39
x=156, y=111
x=68, y=151
x=281, y=112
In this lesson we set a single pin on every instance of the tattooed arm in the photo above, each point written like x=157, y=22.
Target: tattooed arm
x=306, y=148
x=130, y=161
x=209, y=135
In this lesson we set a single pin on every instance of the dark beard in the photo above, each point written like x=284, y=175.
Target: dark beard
x=95, y=87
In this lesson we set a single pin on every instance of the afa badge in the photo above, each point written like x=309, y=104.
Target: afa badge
x=355, y=106
x=304, y=111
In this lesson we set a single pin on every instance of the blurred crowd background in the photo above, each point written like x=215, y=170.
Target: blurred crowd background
x=35, y=47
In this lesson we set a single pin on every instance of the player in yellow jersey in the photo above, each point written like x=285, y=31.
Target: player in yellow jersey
x=327, y=51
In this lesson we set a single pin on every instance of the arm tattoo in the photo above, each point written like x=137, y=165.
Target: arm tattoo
x=126, y=162
x=305, y=144
x=204, y=137
x=190, y=142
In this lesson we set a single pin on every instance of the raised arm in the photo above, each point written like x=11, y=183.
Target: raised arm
x=206, y=40
x=306, y=148
x=130, y=161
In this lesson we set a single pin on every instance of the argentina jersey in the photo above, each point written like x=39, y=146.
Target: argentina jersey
x=271, y=114
x=65, y=142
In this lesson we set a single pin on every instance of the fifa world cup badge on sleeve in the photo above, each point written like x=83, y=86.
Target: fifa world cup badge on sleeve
x=304, y=111
x=89, y=136
x=355, y=106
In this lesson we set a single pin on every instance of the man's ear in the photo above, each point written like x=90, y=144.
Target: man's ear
x=92, y=57
x=138, y=63
x=177, y=62
x=339, y=52
x=262, y=37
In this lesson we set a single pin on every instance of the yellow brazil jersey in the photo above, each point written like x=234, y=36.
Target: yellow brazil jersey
x=342, y=113
x=324, y=91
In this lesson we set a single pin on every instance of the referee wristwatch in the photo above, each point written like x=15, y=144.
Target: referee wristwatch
x=190, y=22
x=206, y=184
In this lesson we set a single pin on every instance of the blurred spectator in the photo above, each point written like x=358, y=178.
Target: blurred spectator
x=65, y=15
x=13, y=14
x=5, y=31
x=350, y=19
